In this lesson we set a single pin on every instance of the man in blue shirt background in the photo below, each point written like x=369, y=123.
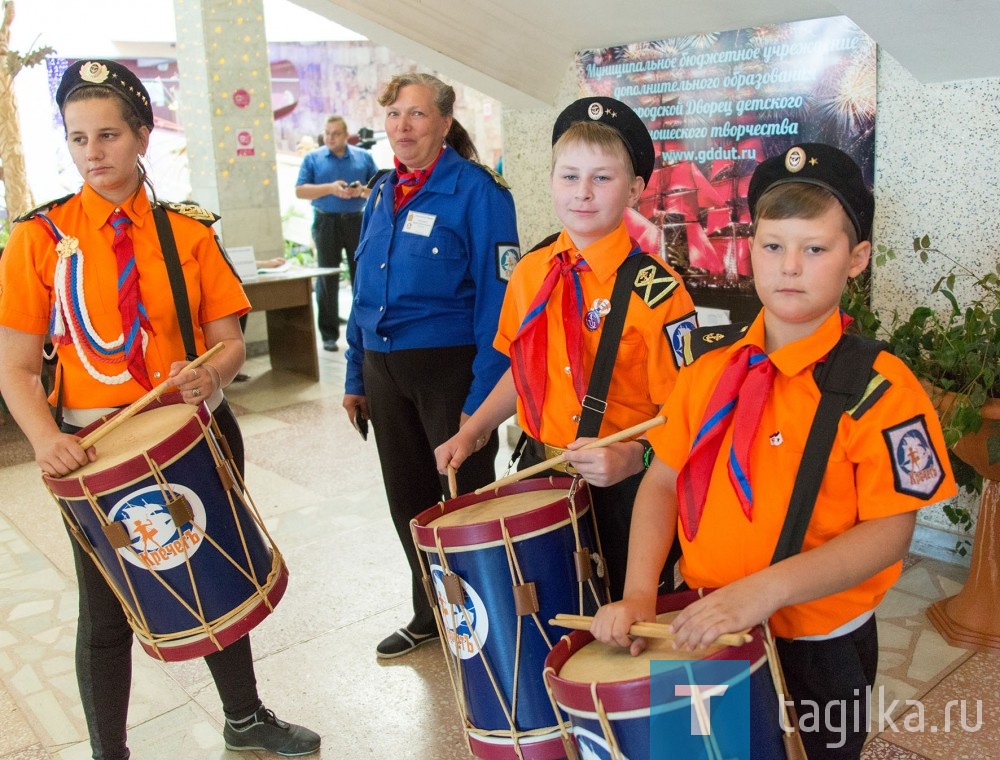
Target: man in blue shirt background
x=334, y=177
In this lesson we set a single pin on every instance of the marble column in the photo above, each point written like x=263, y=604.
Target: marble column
x=225, y=107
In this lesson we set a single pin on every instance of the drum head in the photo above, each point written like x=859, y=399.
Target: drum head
x=495, y=508
x=598, y=662
x=135, y=435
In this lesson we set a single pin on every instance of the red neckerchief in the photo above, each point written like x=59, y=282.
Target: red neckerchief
x=410, y=182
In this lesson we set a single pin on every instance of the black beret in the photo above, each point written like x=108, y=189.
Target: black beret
x=822, y=165
x=110, y=75
x=619, y=117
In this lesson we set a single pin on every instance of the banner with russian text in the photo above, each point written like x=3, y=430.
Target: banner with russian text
x=717, y=105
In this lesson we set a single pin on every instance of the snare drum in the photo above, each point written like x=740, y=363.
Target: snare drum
x=498, y=567
x=605, y=691
x=166, y=518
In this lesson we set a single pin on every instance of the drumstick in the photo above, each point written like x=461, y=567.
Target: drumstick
x=452, y=482
x=527, y=472
x=647, y=630
x=139, y=404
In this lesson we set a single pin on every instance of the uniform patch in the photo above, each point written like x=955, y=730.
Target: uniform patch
x=916, y=466
x=507, y=255
x=192, y=211
x=675, y=332
x=654, y=283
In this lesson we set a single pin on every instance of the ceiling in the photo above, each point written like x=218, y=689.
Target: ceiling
x=518, y=51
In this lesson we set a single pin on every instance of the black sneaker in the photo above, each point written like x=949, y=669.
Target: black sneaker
x=266, y=732
x=402, y=642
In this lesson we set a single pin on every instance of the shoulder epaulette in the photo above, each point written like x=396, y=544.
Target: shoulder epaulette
x=44, y=207
x=854, y=354
x=498, y=178
x=546, y=242
x=654, y=283
x=701, y=340
x=192, y=211
x=378, y=175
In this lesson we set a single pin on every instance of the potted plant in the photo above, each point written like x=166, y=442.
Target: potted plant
x=955, y=352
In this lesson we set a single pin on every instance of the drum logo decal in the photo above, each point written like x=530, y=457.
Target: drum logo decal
x=156, y=543
x=467, y=626
x=592, y=746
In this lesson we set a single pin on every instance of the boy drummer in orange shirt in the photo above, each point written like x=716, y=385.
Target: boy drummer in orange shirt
x=728, y=485
x=559, y=301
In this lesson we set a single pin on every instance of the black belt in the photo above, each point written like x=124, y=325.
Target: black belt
x=333, y=213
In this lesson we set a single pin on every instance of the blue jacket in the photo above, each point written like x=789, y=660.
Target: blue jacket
x=321, y=166
x=438, y=281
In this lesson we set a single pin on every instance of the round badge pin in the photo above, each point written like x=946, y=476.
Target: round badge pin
x=795, y=159
x=595, y=111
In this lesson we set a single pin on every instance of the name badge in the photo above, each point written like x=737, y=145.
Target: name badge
x=418, y=223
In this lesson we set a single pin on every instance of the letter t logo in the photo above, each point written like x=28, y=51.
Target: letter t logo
x=701, y=707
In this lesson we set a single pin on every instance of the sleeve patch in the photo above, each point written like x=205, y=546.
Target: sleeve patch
x=675, y=332
x=916, y=466
x=507, y=256
x=654, y=283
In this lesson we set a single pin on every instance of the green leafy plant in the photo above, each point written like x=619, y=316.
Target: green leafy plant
x=955, y=350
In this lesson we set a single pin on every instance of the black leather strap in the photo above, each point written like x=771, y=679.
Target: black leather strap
x=169, y=247
x=842, y=380
x=595, y=402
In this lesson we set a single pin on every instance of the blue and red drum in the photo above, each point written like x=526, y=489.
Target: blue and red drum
x=499, y=566
x=166, y=518
x=605, y=692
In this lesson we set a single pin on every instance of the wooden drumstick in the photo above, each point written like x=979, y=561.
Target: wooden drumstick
x=141, y=403
x=648, y=630
x=527, y=472
x=452, y=482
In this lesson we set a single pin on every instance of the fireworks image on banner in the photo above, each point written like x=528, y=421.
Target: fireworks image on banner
x=717, y=104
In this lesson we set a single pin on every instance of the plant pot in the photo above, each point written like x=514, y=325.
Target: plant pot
x=971, y=448
x=971, y=618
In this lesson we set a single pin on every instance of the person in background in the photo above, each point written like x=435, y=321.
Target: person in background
x=554, y=324
x=89, y=270
x=436, y=234
x=335, y=178
x=727, y=458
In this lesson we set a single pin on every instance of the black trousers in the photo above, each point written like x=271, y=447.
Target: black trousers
x=415, y=399
x=613, y=514
x=835, y=672
x=104, y=645
x=334, y=235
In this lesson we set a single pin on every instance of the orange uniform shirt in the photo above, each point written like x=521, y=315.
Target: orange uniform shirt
x=27, y=270
x=648, y=356
x=876, y=469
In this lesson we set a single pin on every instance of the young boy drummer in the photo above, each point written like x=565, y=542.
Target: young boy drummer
x=812, y=220
x=560, y=300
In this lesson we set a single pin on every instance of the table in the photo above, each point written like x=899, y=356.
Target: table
x=286, y=299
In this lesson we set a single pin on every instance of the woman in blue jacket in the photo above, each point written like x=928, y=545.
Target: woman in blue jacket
x=438, y=243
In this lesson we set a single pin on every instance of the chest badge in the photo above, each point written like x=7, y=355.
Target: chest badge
x=600, y=308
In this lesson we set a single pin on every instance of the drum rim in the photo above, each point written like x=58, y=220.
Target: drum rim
x=135, y=468
x=522, y=524
x=629, y=694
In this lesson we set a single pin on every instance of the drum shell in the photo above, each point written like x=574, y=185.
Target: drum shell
x=206, y=580
x=627, y=703
x=544, y=544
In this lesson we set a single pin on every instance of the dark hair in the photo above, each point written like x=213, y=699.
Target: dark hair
x=128, y=114
x=801, y=200
x=444, y=101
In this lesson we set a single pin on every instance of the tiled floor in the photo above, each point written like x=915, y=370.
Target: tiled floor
x=318, y=486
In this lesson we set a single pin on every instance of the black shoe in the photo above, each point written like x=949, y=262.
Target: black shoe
x=266, y=732
x=241, y=378
x=330, y=345
x=402, y=642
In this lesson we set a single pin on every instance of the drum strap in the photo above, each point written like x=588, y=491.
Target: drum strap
x=842, y=379
x=169, y=247
x=596, y=401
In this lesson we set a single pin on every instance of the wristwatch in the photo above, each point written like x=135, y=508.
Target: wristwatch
x=647, y=453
